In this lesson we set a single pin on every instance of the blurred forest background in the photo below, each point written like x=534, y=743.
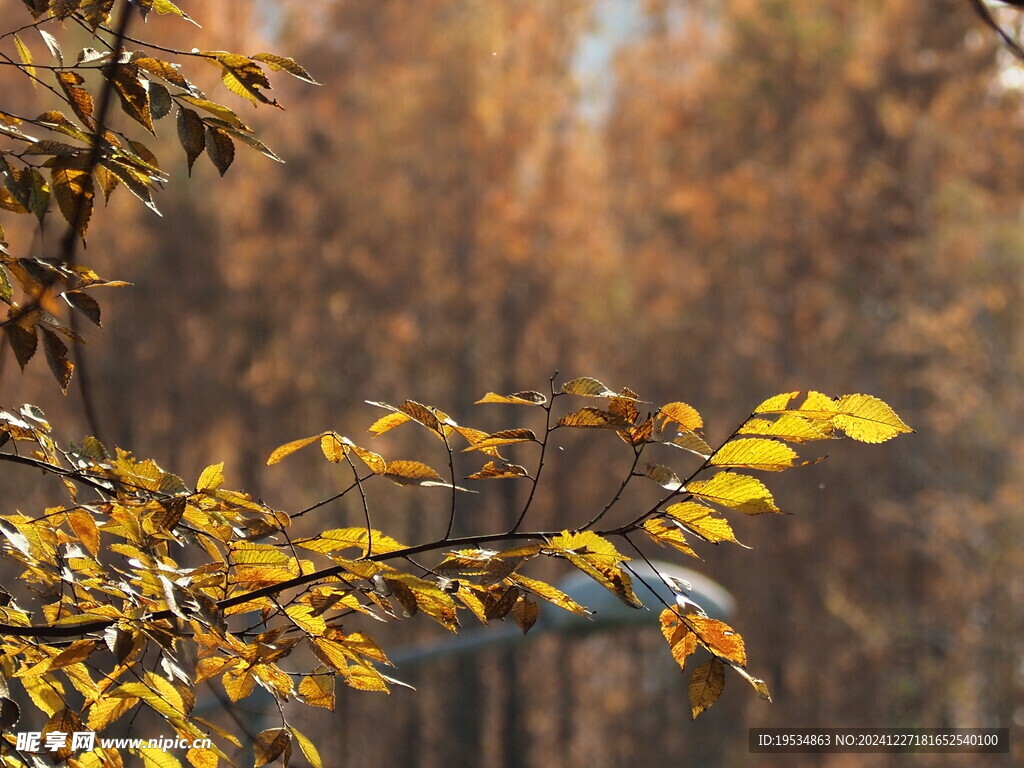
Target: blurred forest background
x=705, y=201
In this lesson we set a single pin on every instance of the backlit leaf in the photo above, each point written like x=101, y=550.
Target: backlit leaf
x=132, y=93
x=80, y=99
x=412, y=473
x=664, y=477
x=754, y=453
x=389, y=422
x=289, y=448
x=211, y=478
x=788, y=426
x=308, y=749
x=682, y=414
x=26, y=57
x=867, y=419
x=317, y=688
x=84, y=303
x=493, y=471
x=517, y=398
x=742, y=492
x=504, y=437
x=776, y=404
x=594, y=417
x=680, y=638
x=702, y=521
x=692, y=442
x=668, y=534
x=706, y=685
x=284, y=64
x=549, y=593
x=587, y=386
x=73, y=189
x=719, y=637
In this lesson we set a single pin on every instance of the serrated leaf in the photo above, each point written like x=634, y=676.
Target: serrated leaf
x=23, y=343
x=719, y=638
x=587, y=544
x=588, y=387
x=682, y=414
x=788, y=426
x=131, y=92
x=550, y=594
x=26, y=58
x=272, y=744
x=288, y=449
x=589, y=417
x=191, y=134
x=706, y=685
x=415, y=473
x=57, y=358
x=308, y=749
x=73, y=189
x=504, y=437
x=51, y=45
x=84, y=303
x=692, y=442
x=160, y=101
x=215, y=109
x=665, y=534
x=525, y=613
x=776, y=404
x=702, y=521
x=517, y=398
x=284, y=64
x=493, y=471
x=680, y=638
x=867, y=419
x=754, y=453
x=166, y=6
x=211, y=478
x=742, y=492
x=219, y=148
x=664, y=477
x=388, y=422
x=317, y=688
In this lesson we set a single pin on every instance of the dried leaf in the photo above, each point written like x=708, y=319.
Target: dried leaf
x=706, y=685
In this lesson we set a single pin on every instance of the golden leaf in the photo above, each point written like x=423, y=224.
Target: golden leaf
x=285, y=64
x=492, y=471
x=549, y=593
x=26, y=58
x=692, y=442
x=332, y=447
x=308, y=749
x=681, y=639
x=525, y=613
x=594, y=417
x=504, y=437
x=517, y=398
x=742, y=492
x=211, y=478
x=706, y=685
x=317, y=688
x=867, y=419
x=719, y=638
x=588, y=387
x=589, y=545
x=754, y=453
x=665, y=534
x=682, y=414
x=702, y=521
x=412, y=473
x=776, y=404
x=788, y=426
x=388, y=422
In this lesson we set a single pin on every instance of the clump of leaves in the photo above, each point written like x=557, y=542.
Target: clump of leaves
x=67, y=154
x=108, y=617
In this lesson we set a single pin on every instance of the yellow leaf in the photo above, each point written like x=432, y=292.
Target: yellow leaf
x=26, y=58
x=332, y=448
x=701, y=520
x=46, y=693
x=107, y=709
x=317, y=688
x=681, y=639
x=525, y=613
x=788, y=426
x=157, y=758
x=742, y=492
x=517, y=398
x=238, y=683
x=412, y=473
x=547, y=592
x=754, y=453
x=867, y=419
x=202, y=758
x=211, y=478
x=682, y=414
x=385, y=423
x=504, y=437
x=286, y=64
x=663, y=534
x=594, y=418
x=588, y=387
x=289, y=448
x=706, y=685
x=719, y=637
x=492, y=471
x=308, y=749
x=776, y=404
x=304, y=619
x=589, y=545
